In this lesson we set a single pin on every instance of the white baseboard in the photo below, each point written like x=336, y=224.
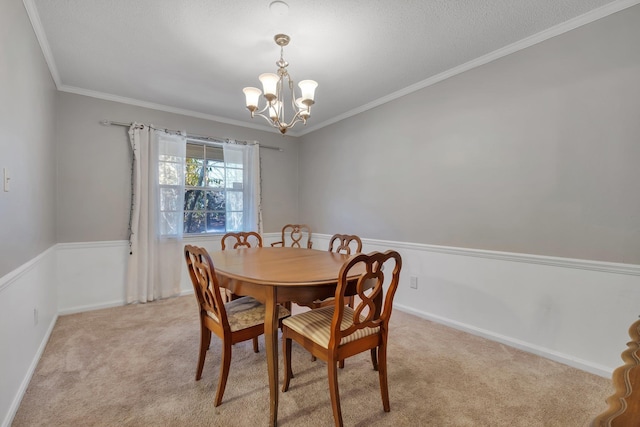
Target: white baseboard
x=90, y=307
x=28, y=375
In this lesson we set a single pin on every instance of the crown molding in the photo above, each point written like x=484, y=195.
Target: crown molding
x=34, y=17
x=159, y=107
x=559, y=29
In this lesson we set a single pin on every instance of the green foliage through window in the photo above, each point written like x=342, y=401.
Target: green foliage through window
x=213, y=191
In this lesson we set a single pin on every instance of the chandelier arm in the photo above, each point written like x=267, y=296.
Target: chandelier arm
x=277, y=123
x=262, y=111
x=293, y=98
x=268, y=119
x=296, y=119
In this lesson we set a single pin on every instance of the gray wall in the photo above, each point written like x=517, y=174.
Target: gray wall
x=27, y=95
x=94, y=166
x=537, y=152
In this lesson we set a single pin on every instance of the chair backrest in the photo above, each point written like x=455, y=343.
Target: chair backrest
x=242, y=239
x=205, y=284
x=375, y=302
x=296, y=236
x=345, y=243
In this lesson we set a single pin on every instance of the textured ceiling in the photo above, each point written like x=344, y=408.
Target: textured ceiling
x=195, y=56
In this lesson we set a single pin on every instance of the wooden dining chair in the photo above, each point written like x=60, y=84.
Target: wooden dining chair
x=295, y=236
x=235, y=240
x=239, y=320
x=344, y=244
x=241, y=239
x=336, y=332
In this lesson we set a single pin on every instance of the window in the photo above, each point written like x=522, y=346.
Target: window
x=214, y=190
x=207, y=188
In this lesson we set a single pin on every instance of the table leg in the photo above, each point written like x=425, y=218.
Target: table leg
x=271, y=344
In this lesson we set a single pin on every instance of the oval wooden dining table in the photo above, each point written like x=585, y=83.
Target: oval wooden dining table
x=275, y=275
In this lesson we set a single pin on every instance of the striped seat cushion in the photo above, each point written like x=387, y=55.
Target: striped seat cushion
x=316, y=325
x=245, y=312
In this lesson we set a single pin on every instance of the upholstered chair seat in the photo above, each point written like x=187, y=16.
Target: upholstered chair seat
x=246, y=312
x=316, y=325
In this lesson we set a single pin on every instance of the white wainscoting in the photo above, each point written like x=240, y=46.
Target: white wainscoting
x=573, y=311
x=576, y=312
x=28, y=312
x=91, y=275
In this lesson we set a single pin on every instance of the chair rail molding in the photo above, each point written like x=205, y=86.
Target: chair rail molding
x=609, y=267
x=14, y=276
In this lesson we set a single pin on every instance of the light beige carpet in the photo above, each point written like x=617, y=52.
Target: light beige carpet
x=135, y=366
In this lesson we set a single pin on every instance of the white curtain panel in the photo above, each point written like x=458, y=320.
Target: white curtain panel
x=242, y=165
x=156, y=258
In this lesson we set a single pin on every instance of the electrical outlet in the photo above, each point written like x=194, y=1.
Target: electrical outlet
x=35, y=317
x=413, y=284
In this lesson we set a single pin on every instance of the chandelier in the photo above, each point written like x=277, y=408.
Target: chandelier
x=274, y=87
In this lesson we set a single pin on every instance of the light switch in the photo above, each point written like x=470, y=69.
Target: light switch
x=413, y=283
x=6, y=178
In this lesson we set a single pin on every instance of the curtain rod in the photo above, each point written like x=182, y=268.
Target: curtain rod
x=192, y=136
